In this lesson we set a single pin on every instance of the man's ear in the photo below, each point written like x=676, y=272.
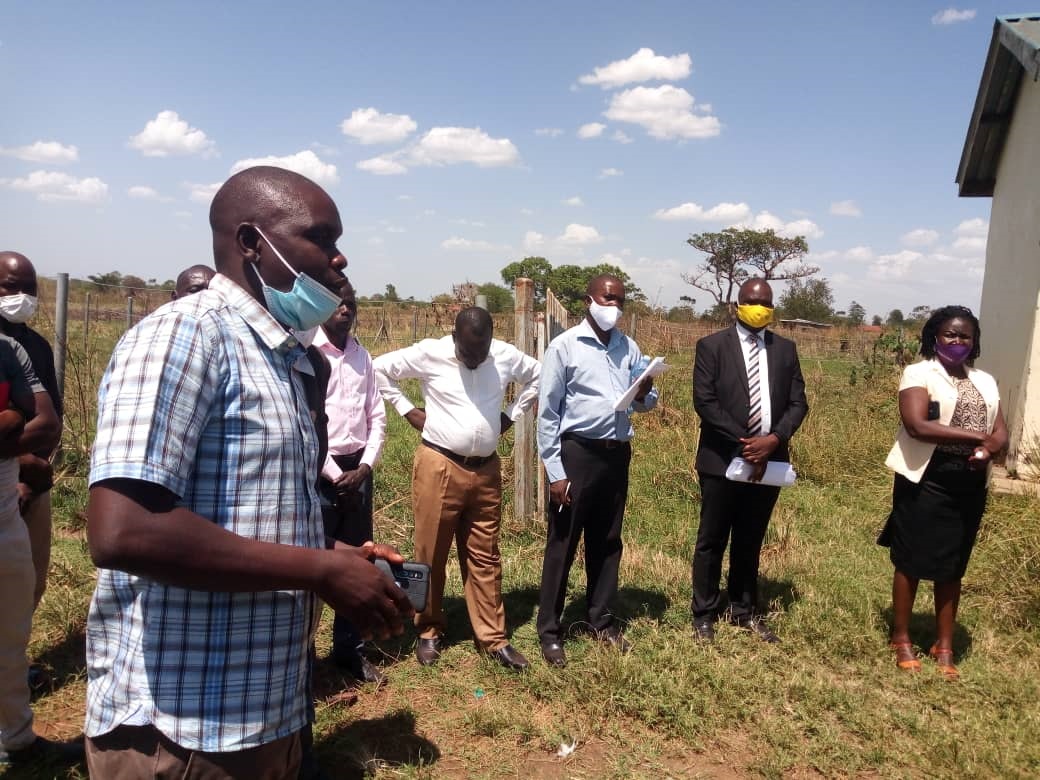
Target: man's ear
x=247, y=239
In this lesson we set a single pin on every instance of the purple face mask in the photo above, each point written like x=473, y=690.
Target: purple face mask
x=952, y=354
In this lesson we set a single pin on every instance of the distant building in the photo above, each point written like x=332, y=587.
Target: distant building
x=1001, y=159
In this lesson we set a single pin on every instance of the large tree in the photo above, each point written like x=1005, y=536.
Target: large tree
x=535, y=268
x=807, y=299
x=568, y=282
x=736, y=254
x=857, y=314
x=499, y=298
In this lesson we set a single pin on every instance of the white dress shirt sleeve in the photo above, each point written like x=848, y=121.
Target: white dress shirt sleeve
x=394, y=366
x=525, y=371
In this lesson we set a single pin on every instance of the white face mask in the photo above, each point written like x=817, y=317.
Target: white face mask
x=605, y=317
x=306, y=337
x=18, y=308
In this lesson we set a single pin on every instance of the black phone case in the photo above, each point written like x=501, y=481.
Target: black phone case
x=411, y=576
x=933, y=410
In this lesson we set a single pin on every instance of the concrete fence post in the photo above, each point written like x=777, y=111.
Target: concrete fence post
x=523, y=443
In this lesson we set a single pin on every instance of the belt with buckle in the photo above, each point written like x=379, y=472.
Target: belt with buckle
x=597, y=444
x=469, y=461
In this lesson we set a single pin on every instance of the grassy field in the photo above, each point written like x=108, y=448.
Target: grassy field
x=828, y=701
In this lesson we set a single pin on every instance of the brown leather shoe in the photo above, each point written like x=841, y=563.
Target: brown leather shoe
x=510, y=658
x=427, y=651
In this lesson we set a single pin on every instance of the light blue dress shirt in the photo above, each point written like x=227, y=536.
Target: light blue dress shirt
x=581, y=380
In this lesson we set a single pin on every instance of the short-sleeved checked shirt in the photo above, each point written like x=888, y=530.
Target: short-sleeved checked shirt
x=204, y=397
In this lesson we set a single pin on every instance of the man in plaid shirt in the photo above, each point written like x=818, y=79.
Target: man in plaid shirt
x=204, y=518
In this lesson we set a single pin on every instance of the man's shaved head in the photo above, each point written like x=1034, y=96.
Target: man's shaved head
x=258, y=195
x=596, y=282
x=756, y=291
x=192, y=280
x=17, y=274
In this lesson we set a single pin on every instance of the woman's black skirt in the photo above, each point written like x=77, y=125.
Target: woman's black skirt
x=933, y=524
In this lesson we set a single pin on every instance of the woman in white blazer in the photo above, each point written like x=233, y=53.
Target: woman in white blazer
x=952, y=426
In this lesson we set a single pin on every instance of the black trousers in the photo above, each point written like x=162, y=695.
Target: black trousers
x=736, y=513
x=599, y=488
x=347, y=520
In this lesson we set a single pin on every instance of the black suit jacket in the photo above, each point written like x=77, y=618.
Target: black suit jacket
x=720, y=396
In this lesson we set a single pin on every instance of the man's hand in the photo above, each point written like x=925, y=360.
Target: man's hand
x=560, y=493
x=351, y=481
x=36, y=472
x=353, y=587
x=758, y=470
x=506, y=423
x=417, y=419
x=11, y=423
x=757, y=449
x=25, y=497
x=644, y=388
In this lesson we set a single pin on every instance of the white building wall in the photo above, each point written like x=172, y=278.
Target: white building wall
x=1011, y=287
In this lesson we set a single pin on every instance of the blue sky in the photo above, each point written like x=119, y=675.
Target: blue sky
x=458, y=137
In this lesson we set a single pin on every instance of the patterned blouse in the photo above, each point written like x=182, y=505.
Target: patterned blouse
x=969, y=414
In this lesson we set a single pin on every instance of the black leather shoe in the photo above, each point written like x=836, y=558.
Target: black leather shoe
x=757, y=626
x=613, y=637
x=360, y=668
x=510, y=658
x=554, y=655
x=41, y=751
x=704, y=629
x=427, y=651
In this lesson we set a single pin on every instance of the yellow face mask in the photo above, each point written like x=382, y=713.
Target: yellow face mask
x=754, y=316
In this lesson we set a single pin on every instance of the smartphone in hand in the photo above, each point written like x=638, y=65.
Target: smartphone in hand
x=411, y=576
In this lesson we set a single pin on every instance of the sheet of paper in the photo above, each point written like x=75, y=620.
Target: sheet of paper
x=656, y=367
x=778, y=473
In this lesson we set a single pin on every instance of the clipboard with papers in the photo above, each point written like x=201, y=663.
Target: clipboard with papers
x=654, y=368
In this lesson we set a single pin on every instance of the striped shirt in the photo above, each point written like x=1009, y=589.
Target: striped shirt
x=205, y=398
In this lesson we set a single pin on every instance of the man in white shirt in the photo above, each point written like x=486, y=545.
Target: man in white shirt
x=457, y=480
x=357, y=431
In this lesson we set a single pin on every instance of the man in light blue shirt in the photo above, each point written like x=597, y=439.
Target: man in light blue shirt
x=584, y=444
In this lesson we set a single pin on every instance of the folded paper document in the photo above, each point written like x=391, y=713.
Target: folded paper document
x=654, y=368
x=778, y=472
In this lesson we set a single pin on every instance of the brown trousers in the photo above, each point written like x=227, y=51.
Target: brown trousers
x=142, y=753
x=448, y=501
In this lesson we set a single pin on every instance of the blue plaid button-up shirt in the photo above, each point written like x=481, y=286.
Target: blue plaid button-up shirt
x=205, y=398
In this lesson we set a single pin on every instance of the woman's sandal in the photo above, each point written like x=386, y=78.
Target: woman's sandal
x=943, y=657
x=906, y=658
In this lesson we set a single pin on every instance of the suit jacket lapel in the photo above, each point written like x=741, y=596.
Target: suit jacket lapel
x=733, y=337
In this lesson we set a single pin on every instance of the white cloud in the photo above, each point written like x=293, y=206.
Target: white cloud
x=970, y=245
x=305, y=163
x=203, y=193
x=846, y=208
x=50, y=152
x=920, y=237
x=860, y=254
x=591, y=130
x=466, y=245
x=621, y=137
x=953, y=15
x=724, y=212
x=369, y=126
x=375, y=241
x=55, y=186
x=575, y=201
x=168, y=135
x=382, y=166
x=527, y=212
x=606, y=173
x=550, y=132
x=580, y=234
x=404, y=197
x=644, y=65
x=141, y=192
x=533, y=240
x=665, y=112
x=450, y=145
x=324, y=149
x=978, y=228
x=799, y=227
x=895, y=266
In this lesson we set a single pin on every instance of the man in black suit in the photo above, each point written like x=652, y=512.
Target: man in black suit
x=740, y=416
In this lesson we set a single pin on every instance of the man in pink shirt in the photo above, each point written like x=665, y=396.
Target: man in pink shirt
x=357, y=431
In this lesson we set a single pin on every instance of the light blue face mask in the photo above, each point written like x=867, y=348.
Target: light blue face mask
x=307, y=305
